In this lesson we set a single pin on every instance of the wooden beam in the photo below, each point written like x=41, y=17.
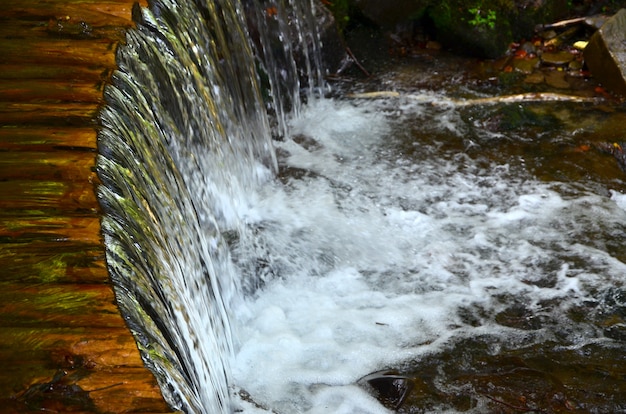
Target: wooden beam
x=64, y=347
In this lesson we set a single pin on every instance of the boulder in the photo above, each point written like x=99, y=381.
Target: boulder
x=333, y=45
x=605, y=54
x=483, y=32
x=483, y=29
x=388, y=13
x=486, y=30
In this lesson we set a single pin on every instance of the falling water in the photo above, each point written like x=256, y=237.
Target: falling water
x=257, y=272
x=185, y=139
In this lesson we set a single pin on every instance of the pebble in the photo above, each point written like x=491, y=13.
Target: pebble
x=556, y=79
x=557, y=58
x=526, y=66
x=535, y=78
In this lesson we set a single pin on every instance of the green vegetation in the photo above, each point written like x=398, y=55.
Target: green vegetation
x=341, y=11
x=482, y=18
x=482, y=28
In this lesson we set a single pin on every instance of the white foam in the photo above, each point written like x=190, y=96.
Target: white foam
x=374, y=254
x=619, y=198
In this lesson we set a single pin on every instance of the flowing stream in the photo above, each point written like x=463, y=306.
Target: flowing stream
x=270, y=275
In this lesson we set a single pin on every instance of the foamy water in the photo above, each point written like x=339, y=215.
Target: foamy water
x=369, y=257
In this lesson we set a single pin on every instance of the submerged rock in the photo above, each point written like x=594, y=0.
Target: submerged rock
x=615, y=149
x=557, y=58
x=389, y=387
x=488, y=375
x=557, y=79
x=605, y=53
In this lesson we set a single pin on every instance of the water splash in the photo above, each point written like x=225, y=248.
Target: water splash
x=395, y=248
x=185, y=138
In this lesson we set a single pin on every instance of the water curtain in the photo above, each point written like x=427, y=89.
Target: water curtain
x=186, y=134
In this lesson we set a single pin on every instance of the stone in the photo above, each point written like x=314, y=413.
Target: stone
x=557, y=58
x=575, y=65
x=535, y=78
x=483, y=30
x=605, y=54
x=557, y=79
x=334, y=48
x=388, y=13
x=389, y=387
x=519, y=378
x=474, y=33
x=487, y=31
x=616, y=149
x=526, y=66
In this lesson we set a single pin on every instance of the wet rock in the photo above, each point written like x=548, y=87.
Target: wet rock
x=475, y=32
x=334, y=48
x=389, y=13
x=520, y=317
x=535, y=78
x=605, y=53
x=557, y=58
x=489, y=30
x=529, y=48
x=389, y=387
x=575, y=65
x=617, y=332
x=557, y=79
x=615, y=149
x=483, y=30
x=526, y=66
x=541, y=378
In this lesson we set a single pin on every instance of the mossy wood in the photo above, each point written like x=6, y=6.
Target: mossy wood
x=64, y=347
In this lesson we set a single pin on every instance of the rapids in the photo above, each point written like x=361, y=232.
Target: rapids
x=378, y=257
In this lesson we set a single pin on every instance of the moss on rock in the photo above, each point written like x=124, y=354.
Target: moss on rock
x=482, y=28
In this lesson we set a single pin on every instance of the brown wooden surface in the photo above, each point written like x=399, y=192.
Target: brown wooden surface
x=64, y=347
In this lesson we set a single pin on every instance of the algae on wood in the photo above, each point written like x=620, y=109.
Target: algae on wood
x=64, y=347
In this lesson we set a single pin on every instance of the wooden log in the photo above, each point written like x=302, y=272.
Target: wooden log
x=74, y=166
x=108, y=12
x=39, y=261
x=492, y=100
x=57, y=305
x=53, y=115
x=64, y=347
x=46, y=197
x=53, y=228
x=35, y=90
x=70, y=348
x=29, y=51
x=46, y=138
x=56, y=72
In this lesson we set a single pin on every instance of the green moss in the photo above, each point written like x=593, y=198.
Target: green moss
x=481, y=17
x=479, y=28
x=524, y=118
x=441, y=14
x=341, y=10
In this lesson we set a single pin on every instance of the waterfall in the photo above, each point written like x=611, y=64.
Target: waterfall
x=397, y=235
x=185, y=136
